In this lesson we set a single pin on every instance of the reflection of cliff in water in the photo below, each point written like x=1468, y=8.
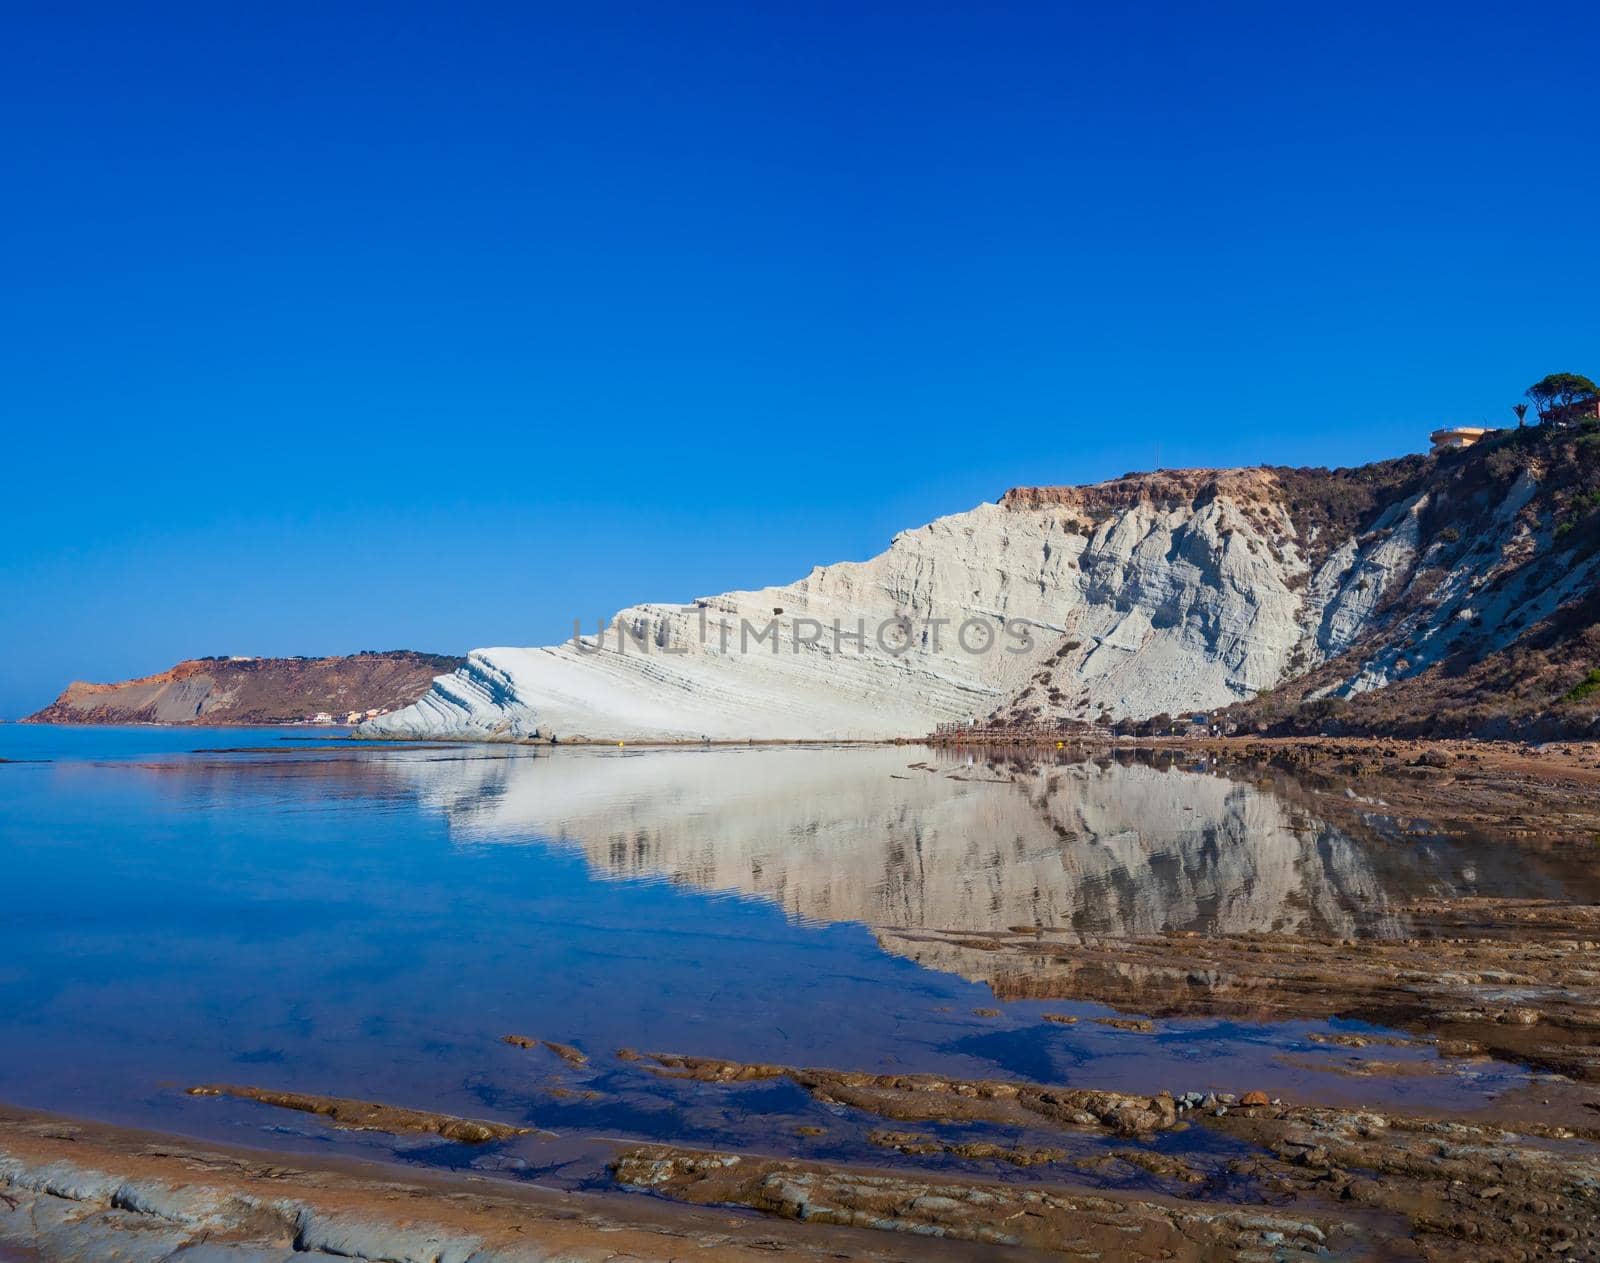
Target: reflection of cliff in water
x=879, y=837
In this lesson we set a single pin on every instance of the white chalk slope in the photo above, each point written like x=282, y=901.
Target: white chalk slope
x=1171, y=592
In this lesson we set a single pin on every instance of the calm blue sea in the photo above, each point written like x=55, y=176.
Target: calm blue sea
x=292, y=910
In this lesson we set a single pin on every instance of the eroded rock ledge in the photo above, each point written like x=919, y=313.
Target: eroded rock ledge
x=1070, y=1224
x=934, y=1098
x=77, y=1191
x=1302, y=1179
x=370, y=1115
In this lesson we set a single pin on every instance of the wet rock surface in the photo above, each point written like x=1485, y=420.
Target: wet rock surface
x=82, y=1193
x=1000, y=1165
x=928, y=1097
x=1525, y=987
x=1469, y=1191
x=1540, y=793
x=370, y=1115
x=1448, y=1188
x=572, y=1056
x=1068, y=1223
x=1546, y=792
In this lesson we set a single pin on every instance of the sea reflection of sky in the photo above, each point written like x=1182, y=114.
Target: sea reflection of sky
x=369, y=922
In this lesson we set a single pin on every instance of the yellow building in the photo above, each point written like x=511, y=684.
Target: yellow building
x=1458, y=436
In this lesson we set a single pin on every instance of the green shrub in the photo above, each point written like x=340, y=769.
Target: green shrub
x=1503, y=465
x=1587, y=687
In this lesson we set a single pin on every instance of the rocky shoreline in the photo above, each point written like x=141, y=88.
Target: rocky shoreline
x=1528, y=792
x=1179, y=1175
x=73, y=1190
x=1005, y=1167
x=1452, y=1187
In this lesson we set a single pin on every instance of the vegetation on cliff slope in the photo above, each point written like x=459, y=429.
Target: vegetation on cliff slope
x=1540, y=681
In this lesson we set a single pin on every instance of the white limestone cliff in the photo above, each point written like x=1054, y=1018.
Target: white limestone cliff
x=1172, y=606
x=1172, y=592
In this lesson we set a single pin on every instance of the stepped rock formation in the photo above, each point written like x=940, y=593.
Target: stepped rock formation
x=251, y=690
x=1166, y=593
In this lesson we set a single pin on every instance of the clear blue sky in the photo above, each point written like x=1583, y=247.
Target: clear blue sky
x=328, y=327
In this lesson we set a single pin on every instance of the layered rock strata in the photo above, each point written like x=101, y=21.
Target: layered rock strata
x=1172, y=593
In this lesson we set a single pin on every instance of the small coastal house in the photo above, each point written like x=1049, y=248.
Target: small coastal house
x=1454, y=437
x=1575, y=413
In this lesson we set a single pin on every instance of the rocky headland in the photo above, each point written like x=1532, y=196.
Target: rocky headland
x=222, y=691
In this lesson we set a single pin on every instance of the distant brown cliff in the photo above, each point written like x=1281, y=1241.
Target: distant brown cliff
x=253, y=690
